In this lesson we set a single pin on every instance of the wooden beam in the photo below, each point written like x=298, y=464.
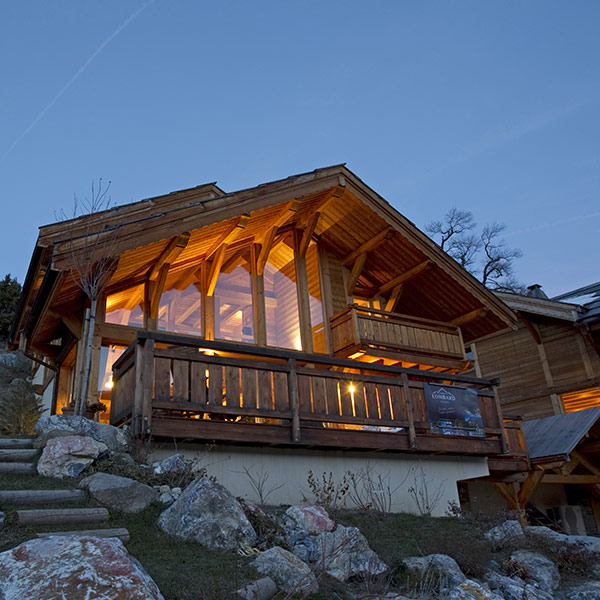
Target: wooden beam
x=531, y=327
x=156, y=289
x=590, y=446
x=509, y=493
x=368, y=245
x=287, y=210
x=393, y=299
x=229, y=235
x=468, y=317
x=169, y=254
x=359, y=263
x=215, y=269
x=265, y=250
x=234, y=260
x=571, y=479
x=569, y=467
x=586, y=462
x=528, y=486
x=308, y=233
x=405, y=276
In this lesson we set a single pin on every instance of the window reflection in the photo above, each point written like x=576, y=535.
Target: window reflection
x=126, y=307
x=180, y=311
x=233, y=305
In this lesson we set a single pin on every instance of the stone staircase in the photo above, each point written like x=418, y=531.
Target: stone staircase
x=18, y=457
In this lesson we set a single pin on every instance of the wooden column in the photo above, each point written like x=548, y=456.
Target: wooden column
x=293, y=398
x=208, y=302
x=258, y=298
x=303, y=296
x=144, y=384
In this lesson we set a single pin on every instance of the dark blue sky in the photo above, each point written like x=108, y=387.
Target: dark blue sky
x=487, y=106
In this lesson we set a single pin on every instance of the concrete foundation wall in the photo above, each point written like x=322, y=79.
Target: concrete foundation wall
x=289, y=468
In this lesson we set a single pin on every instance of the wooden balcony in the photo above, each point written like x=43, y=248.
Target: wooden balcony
x=391, y=335
x=185, y=387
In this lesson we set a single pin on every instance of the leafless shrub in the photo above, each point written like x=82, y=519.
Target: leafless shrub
x=259, y=484
x=327, y=492
x=369, y=490
x=425, y=495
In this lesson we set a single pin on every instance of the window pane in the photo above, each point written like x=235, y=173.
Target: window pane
x=180, y=311
x=126, y=307
x=281, y=299
x=233, y=305
x=315, y=299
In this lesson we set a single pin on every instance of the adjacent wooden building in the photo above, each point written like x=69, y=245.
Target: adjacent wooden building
x=551, y=363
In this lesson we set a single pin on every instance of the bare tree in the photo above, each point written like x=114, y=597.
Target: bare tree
x=484, y=254
x=91, y=267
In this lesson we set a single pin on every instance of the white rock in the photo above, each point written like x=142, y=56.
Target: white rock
x=68, y=456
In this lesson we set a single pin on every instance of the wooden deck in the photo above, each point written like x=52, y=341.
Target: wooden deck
x=186, y=387
x=412, y=339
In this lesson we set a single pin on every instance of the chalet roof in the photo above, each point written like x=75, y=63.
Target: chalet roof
x=558, y=435
x=589, y=298
x=352, y=216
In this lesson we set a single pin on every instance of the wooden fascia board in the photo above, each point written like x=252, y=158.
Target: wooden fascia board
x=48, y=290
x=220, y=209
x=540, y=306
x=427, y=246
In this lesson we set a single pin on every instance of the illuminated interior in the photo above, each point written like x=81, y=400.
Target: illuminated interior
x=581, y=399
x=126, y=307
x=281, y=298
x=180, y=311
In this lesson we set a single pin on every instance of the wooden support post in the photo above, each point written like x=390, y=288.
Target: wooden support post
x=265, y=250
x=215, y=269
x=144, y=384
x=293, y=396
x=258, y=298
x=503, y=440
x=208, y=302
x=393, y=299
x=303, y=298
x=357, y=268
x=412, y=434
x=92, y=395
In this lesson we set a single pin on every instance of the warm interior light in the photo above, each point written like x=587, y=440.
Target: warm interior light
x=351, y=388
x=109, y=384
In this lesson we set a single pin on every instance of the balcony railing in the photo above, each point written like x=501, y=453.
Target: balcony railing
x=418, y=340
x=179, y=386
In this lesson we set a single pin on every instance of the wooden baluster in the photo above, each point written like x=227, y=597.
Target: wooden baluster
x=293, y=398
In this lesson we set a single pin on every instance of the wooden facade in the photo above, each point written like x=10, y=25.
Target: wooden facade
x=548, y=365
x=305, y=310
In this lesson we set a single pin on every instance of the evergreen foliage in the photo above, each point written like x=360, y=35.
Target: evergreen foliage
x=10, y=290
x=20, y=409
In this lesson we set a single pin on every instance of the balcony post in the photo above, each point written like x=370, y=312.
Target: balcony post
x=503, y=440
x=144, y=383
x=412, y=434
x=293, y=398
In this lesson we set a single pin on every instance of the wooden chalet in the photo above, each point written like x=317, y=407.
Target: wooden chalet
x=551, y=363
x=305, y=312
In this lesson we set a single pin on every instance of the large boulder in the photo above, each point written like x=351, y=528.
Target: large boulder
x=68, y=456
x=472, y=590
x=312, y=519
x=514, y=588
x=73, y=567
x=345, y=553
x=590, y=590
x=509, y=533
x=288, y=571
x=208, y=514
x=61, y=425
x=536, y=569
x=586, y=542
x=442, y=565
x=120, y=493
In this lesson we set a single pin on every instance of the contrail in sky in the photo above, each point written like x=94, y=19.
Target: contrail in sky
x=71, y=81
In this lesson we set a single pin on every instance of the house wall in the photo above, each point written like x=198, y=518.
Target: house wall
x=534, y=375
x=435, y=474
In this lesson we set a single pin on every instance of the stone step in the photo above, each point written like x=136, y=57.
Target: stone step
x=16, y=442
x=62, y=516
x=17, y=468
x=119, y=532
x=28, y=497
x=18, y=455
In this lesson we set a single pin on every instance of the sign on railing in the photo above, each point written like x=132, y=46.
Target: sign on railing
x=453, y=410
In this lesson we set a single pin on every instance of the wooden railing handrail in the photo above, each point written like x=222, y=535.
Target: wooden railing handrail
x=303, y=358
x=393, y=316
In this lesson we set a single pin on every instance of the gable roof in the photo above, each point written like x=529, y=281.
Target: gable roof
x=352, y=214
x=558, y=435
